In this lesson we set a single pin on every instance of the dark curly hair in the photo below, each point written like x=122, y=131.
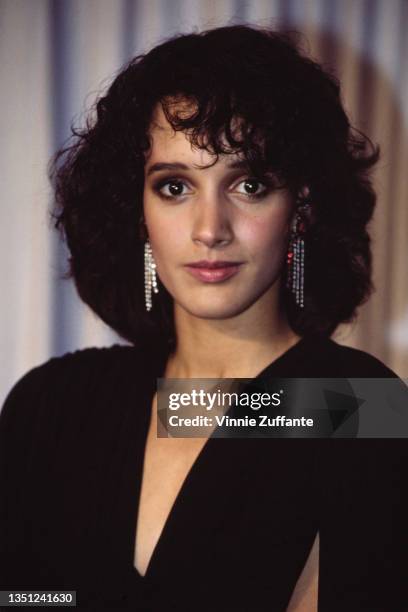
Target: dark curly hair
x=292, y=123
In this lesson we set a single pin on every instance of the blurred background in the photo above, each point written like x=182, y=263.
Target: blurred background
x=57, y=56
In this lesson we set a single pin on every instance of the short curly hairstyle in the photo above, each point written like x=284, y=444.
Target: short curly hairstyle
x=292, y=123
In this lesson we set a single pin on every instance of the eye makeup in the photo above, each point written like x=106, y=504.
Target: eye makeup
x=177, y=187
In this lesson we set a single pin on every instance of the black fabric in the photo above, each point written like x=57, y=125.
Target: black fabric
x=72, y=439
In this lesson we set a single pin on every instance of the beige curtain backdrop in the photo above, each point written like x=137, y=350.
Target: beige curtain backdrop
x=57, y=55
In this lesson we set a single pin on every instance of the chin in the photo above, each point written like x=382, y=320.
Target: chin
x=216, y=314
x=214, y=311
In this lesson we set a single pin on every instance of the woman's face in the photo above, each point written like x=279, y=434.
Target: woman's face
x=198, y=218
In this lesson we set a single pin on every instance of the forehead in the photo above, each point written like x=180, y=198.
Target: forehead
x=168, y=143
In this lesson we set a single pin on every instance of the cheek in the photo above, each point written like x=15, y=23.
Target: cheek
x=164, y=236
x=158, y=225
x=265, y=237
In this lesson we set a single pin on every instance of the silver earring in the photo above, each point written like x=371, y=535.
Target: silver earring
x=150, y=275
x=296, y=255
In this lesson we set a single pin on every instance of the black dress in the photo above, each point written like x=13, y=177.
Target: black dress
x=72, y=439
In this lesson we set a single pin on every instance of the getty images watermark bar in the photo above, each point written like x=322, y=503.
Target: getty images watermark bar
x=283, y=408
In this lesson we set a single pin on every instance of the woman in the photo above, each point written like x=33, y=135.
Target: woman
x=216, y=211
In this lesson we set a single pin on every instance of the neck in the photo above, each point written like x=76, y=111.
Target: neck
x=238, y=347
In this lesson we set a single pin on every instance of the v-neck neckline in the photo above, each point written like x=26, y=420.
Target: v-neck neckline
x=201, y=456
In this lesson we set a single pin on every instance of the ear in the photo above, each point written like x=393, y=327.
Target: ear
x=304, y=199
x=303, y=211
x=304, y=192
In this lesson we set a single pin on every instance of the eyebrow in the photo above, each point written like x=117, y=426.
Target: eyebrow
x=160, y=166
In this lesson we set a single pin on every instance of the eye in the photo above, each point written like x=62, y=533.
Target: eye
x=171, y=188
x=251, y=187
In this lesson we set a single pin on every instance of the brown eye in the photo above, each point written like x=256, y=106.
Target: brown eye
x=174, y=188
x=252, y=188
x=171, y=188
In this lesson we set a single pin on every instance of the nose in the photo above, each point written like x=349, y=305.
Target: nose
x=212, y=225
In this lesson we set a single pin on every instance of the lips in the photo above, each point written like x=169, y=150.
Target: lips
x=213, y=271
x=213, y=265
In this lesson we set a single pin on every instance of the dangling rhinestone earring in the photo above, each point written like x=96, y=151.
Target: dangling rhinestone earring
x=150, y=275
x=296, y=254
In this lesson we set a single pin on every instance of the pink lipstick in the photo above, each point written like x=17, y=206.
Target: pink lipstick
x=213, y=271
